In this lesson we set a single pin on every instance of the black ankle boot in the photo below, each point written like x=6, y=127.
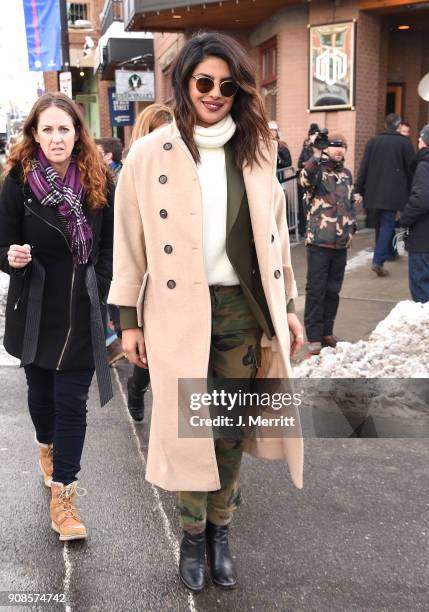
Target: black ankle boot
x=192, y=560
x=219, y=558
x=135, y=400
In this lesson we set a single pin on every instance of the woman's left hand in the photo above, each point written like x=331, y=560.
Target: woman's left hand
x=297, y=332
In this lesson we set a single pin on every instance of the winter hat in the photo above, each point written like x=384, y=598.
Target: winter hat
x=424, y=135
x=336, y=139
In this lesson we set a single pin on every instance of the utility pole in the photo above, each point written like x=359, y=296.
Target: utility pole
x=65, y=51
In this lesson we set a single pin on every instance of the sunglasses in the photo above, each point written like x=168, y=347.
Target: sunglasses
x=205, y=84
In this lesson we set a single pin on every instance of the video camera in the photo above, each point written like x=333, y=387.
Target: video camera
x=322, y=141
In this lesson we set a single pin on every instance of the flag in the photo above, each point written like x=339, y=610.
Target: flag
x=43, y=28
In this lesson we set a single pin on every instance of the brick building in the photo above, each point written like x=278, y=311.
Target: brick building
x=391, y=56
x=83, y=27
x=98, y=45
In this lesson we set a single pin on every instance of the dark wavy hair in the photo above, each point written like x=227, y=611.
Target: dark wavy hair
x=247, y=111
x=93, y=171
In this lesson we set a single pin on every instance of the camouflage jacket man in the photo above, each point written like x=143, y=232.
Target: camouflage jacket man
x=329, y=198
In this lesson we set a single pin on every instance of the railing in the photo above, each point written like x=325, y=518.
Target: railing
x=113, y=12
x=289, y=182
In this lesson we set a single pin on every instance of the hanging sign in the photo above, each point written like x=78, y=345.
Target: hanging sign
x=66, y=83
x=135, y=86
x=121, y=112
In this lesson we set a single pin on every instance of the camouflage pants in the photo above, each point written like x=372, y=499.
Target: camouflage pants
x=234, y=353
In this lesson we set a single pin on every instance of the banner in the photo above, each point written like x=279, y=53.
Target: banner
x=43, y=28
x=332, y=66
x=135, y=86
x=121, y=113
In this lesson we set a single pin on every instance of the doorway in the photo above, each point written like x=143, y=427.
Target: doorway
x=395, y=95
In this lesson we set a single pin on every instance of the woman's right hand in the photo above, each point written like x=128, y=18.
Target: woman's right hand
x=134, y=347
x=19, y=255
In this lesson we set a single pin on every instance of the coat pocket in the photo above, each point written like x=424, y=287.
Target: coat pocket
x=290, y=284
x=140, y=300
x=268, y=348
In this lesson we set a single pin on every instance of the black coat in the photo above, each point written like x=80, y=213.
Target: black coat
x=284, y=159
x=306, y=154
x=385, y=174
x=415, y=215
x=64, y=336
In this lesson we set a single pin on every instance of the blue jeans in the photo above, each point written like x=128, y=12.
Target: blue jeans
x=385, y=234
x=57, y=402
x=418, y=274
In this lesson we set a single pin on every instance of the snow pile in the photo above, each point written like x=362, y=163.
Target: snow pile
x=4, y=285
x=362, y=258
x=397, y=348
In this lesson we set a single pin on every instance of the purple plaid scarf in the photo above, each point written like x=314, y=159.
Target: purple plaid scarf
x=68, y=195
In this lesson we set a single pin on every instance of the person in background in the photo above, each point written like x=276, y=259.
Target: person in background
x=305, y=155
x=405, y=129
x=415, y=217
x=307, y=146
x=111, y=152
x=284, y=159
x=384, y=181
x=56, y=240
x=151, y=118
x=331, y=223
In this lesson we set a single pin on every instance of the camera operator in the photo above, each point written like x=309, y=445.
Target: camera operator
x=331, y=222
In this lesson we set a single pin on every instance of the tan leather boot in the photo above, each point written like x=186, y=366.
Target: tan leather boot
x=65, y=518
x=45, y=462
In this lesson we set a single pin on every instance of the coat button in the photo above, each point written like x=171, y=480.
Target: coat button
x=272, y=237
x=168, y=146
x=168, y=249
x=277, y=274
x=29, y=200
x=163, y=213
x=171, y=284
x=163, y=179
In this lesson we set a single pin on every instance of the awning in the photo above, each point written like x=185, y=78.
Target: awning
x=124, y=52
x=179, y=15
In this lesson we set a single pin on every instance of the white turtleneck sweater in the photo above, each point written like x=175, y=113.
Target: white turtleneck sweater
x=212, y=175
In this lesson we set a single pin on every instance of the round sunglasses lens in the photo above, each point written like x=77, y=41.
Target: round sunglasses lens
x=204, y=85
x=228, y=89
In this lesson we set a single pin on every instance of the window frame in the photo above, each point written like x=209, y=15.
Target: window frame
x=269, y=48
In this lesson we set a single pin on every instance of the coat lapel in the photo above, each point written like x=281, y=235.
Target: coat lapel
x=48, y=214
x=173, y=132
x=235, y=187
x=51, y=216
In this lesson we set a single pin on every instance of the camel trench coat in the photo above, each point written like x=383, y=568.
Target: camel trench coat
x=158, y=204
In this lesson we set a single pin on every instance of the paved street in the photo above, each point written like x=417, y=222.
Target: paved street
x=355, y=538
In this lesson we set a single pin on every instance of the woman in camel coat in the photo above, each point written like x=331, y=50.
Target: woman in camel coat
x=166, y=279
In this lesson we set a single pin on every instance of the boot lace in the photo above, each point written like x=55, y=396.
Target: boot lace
x=66, y=499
